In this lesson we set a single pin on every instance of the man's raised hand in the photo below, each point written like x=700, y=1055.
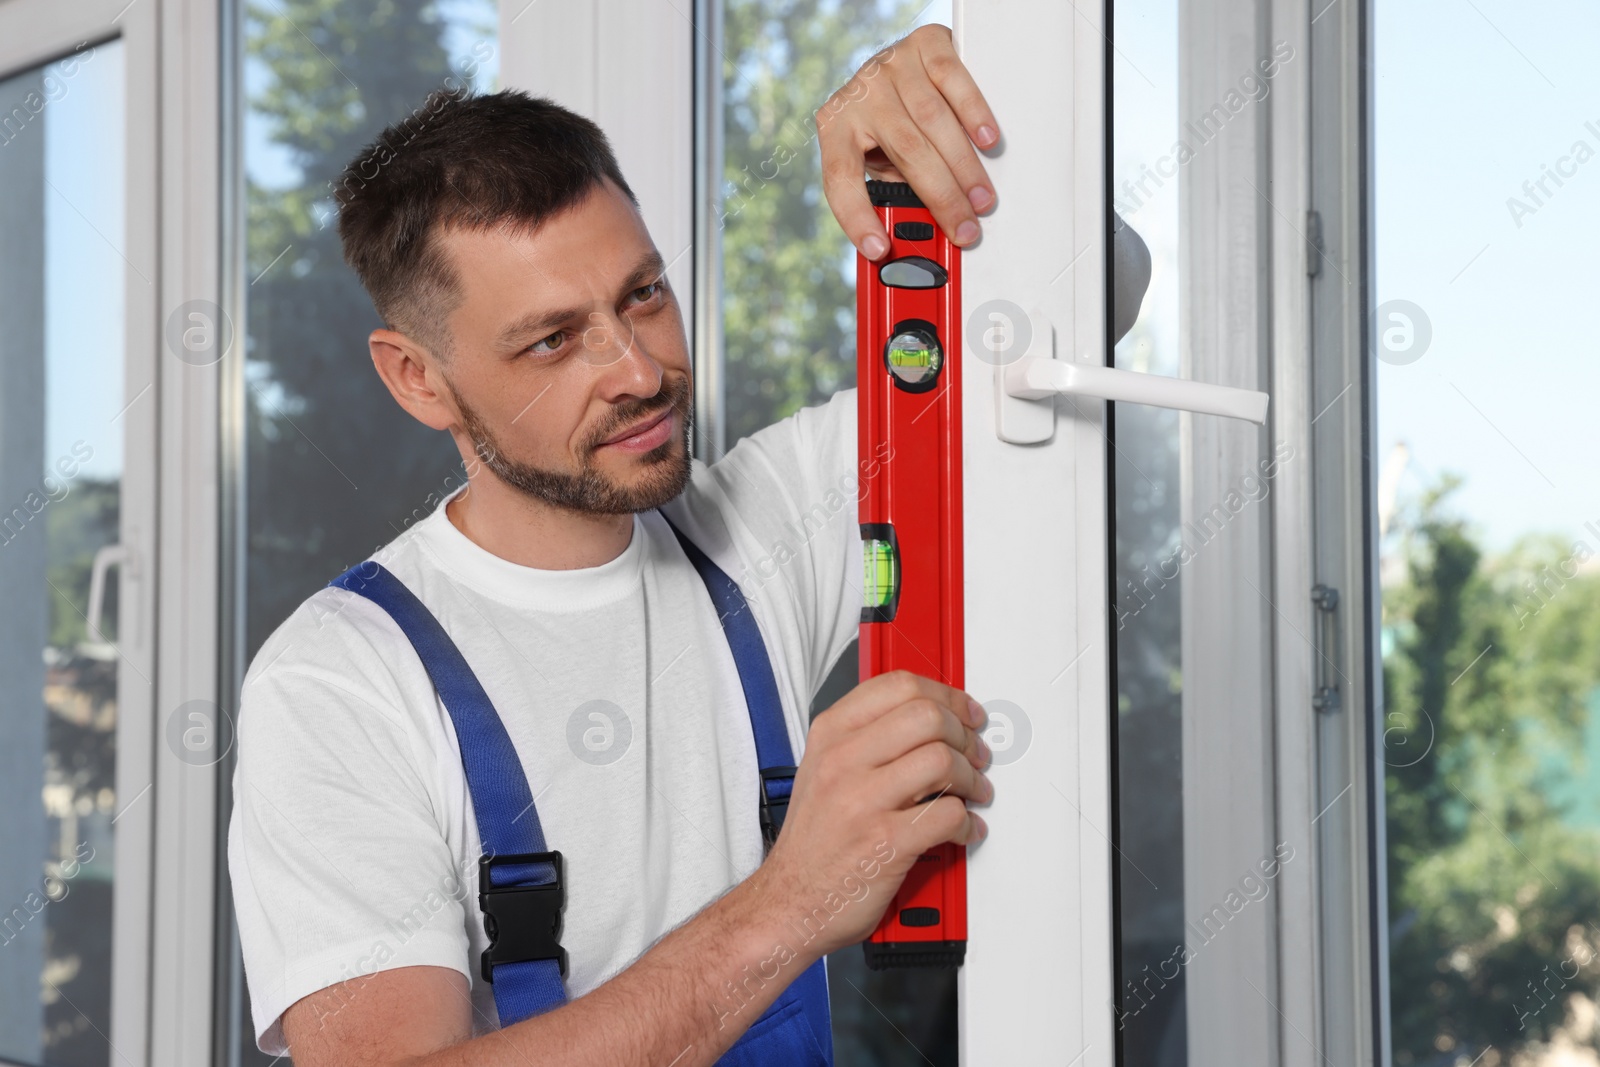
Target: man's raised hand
x=911, y=114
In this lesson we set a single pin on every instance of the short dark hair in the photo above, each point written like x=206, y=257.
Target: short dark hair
x=459, y=160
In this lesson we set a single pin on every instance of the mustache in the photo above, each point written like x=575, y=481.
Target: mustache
x=676, y=396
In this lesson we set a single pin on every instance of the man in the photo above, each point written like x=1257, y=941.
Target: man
x=567, y=603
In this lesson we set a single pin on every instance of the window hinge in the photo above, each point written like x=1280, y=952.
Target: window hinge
x=1314, y=239
x=1326, y=695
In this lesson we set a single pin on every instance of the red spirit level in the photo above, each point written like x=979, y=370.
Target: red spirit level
x=908, y=381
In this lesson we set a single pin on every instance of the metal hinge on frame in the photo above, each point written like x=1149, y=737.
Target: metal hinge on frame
x=1314, y=239
x=1326, y=695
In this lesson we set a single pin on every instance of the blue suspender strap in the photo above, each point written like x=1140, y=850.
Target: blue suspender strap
x=796, y=1030
x=774, y=756
x=519, y=880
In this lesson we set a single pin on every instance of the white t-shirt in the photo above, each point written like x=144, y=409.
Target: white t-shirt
x=353, y=847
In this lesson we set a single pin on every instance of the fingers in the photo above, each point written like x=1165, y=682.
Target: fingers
x=843, y=138
x=909, y=727
x=881, y=694
x=934, y=770
x=923, y=118
x=942, y=128
x=951, y=77
x=920, y=749
x=945, y=103
x=904, y=138
x=902, y=743
x=843, y=162
x=880, y=169
x=938, y=821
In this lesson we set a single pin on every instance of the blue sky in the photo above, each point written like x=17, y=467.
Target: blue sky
x=1472, y=99
x=82, y=127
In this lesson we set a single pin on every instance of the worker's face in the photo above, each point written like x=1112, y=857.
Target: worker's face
x=566, y=340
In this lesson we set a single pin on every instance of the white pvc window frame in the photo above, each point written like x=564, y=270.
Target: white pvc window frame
x=1352, y=903
x=1039, y=969
x=1265, y=248
x=165, y=879
x=34, y=33
x=1276, y=273
x=1248, y=762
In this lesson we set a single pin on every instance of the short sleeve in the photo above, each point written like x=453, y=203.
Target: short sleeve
x=339, y=864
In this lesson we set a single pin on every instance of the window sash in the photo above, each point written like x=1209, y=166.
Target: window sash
x=1043, y=878
x=32, y=33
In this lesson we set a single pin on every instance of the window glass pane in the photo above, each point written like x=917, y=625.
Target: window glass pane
x=61, y=398
x=789, y=341
x=321, y=496
x=335, y=467
x=1487, y=202
x=1149, y=589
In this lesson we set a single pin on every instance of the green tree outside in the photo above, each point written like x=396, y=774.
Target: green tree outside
x=788, y=270
x=336, y=468
x=1492, y=698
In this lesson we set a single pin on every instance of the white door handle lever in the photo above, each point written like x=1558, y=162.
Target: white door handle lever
x=1032, y=378
x=1025, y=387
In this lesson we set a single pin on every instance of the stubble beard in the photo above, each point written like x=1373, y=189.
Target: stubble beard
x=663, y=471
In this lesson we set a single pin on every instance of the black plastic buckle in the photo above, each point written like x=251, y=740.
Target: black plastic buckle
x=773, y=809
x=523, y=921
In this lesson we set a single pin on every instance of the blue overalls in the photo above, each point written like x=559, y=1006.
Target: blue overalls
x=521, y=889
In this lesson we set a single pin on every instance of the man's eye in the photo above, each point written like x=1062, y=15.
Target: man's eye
x=554, y=341
x=646, y=292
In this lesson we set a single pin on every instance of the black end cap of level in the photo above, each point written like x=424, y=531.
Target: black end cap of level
x=892, y=194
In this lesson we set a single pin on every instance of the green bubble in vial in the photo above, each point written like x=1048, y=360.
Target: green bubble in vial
x=882, y=573
x=913, y=356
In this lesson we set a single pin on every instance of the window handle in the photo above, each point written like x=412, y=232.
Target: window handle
x=107, y=557
x=1031, y=378
x=1037, y=375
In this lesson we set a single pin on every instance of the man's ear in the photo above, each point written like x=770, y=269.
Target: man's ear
x=413, y=378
